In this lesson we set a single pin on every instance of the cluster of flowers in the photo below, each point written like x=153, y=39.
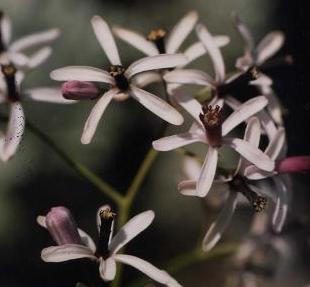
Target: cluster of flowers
x=164, y=62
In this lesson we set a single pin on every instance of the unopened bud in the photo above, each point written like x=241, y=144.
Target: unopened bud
x=78, y=90
x=294, y=164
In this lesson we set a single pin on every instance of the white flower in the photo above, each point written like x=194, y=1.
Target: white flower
x=121, y=80
x=209, y=129
x=107, y=253
x=11, y=94
x=14, y=52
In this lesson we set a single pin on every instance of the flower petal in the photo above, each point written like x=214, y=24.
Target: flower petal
x=144, y=79
x=95, y=115
x=181, y=31
x=276, y=144
x=66, y=252
x=268, y=46
x=267, y=123
x=14, y=134
x=39, y=57
x=162, y=61
x=188, y=187
x=81, y=73
x=176, y=141
x=217, y=228
x=131, y=229
x=207, y=174
x=191, y=167
x=252, y=172
x=251, y=153
x=243, y=112
x=106, y=39
x=156, y=105
x=215, y=54
x=17, y=58
x=5, y=29
x=87, y=240
x=136, y=40
x=46, y=94
x=107, y=269
x=189, y=76
x=34, y=39
x=148, y=269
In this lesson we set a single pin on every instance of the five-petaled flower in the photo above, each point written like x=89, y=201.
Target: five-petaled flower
x=74, y=243
x=121, y=80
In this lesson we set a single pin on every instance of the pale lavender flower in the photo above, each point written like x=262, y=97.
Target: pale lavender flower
x=209, y=129
x=73, y=243
x=14, y=52
x=120, y=80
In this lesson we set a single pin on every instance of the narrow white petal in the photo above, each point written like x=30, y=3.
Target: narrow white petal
x=281, y=208
x=39, y=57
x=95, y=115
x=176, y=141
x=188, y=187
x=243, y=112
x=215, y=54
x=181, y=31
x=252, y=172
x=136, y=40
x=6, y=29
x=217, y=228
x=18, y=59
x=46, y=94
x=148, y=269
x=157, y=106
x=189, y=76
x=66, y=252
x=41, y=220
x=145, y=79
x=14, y=134
x=86, y=240
x=268, y=46
x=262, y=81
x=274, y=105
x=251, y=153
x=162, y=61
x=107, y=269
x=81, y=73
x=276, y=144
x=34, y=39
x=207, y=174
x=106, y=39
x=131, y=229
x=267, y=123
x=191, y=167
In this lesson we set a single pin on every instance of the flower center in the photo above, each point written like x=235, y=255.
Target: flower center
x=2, y=47
x=106, y=226
x=9, y=72
x=211, y=119
x=158, y=36
x=118, y=73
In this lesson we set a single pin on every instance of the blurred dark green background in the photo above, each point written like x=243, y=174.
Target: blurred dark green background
x=37, y=179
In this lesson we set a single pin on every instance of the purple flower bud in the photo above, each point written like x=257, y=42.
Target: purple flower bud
x=77, y=90
x=294, y=164
x=62, y=227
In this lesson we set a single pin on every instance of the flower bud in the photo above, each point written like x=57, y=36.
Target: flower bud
x=62, y=227
x=78, y=90
x=294, y=164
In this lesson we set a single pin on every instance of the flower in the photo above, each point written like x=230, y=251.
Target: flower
x=209, y=129
x=11, y=94
x=13, y=52
x=120, y=80
x=73, y=243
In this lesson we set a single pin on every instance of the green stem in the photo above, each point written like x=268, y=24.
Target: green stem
x=81, y=169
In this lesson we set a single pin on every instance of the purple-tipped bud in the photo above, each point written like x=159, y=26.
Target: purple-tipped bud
x=294, y=164
x=77, y=90
x=62, y=227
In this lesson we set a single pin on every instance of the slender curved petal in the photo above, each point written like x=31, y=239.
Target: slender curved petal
x=215, y=54
x=131, y=229
x=39, y=57
x=145, y=79
x=14, y=134
x=189, y=76
x=106, y=39
x=181, y=31
x=95, y=116
x=276, y=144
x=251, y=153
x=243, y=112
x=217, y=228
x=207, y=174
x=136, y=40
x=6, y=29
x=188, y=187
x=107, y=269
x=162, y=61
x=34, y=39
x=268, y=46
x=17, y=58
x=66, y=252
x=45, y=94
x=87, y=240
x=81, y=73
x=252, y=172
x=148, y=269
x=156, y=105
